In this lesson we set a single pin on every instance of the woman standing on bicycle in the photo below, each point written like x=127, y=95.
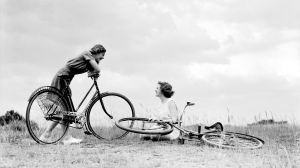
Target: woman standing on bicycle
x=167, y=110
x=86, y=62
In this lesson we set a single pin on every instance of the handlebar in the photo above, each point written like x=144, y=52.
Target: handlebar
x=93, y=75
x=94, y=78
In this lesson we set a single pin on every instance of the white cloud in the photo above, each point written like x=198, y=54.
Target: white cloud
x=280, y=61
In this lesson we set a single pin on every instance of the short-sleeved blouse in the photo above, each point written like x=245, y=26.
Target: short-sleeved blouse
x=77, y=65
x=164, y=111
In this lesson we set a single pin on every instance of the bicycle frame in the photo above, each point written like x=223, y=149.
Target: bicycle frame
x=183, y=130
x=183, y=111
x=95, y=84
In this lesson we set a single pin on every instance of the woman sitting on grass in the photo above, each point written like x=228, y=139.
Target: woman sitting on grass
x=166, y=111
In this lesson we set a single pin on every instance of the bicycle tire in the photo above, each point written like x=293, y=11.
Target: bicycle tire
x=162, y=129
x=45, y=99
x=232, y=140
x=98, y=122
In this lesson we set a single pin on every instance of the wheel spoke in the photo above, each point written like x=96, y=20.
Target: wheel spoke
x=43, y=104
x=100, y=124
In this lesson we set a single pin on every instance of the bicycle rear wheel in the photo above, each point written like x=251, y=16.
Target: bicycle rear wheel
x=42, y=103
x=98, y=121
x=232, y=140
x=144, y=126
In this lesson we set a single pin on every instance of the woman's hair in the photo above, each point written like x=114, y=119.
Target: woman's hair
x=97, y=49
x=166, y=89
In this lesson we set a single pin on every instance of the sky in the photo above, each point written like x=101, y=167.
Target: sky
x=232, y=58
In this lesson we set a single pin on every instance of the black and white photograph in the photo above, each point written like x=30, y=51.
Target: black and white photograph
x=150, y=83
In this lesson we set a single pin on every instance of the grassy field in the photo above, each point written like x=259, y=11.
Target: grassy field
x=281, y=149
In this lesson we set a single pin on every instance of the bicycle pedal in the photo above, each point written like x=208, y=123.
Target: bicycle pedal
x=86, y=130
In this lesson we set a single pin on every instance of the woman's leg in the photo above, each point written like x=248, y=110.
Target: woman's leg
x=63, y=85
x=59, y=83
x=169, y=137
x=47, y=133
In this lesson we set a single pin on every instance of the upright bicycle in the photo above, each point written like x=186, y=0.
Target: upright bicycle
x=48, y=105
x=214, y=134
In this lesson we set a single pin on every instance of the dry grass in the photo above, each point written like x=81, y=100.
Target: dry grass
x=281, y=149
x=282, y=143
x=14, y=132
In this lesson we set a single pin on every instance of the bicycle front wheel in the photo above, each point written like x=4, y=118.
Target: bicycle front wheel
x=144, y=126
x=100, y=124
x=42, y=104
x=232, y=140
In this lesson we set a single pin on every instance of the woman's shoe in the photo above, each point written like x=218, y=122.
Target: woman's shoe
x=71, y=140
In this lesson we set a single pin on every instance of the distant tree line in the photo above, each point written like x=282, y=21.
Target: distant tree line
x=269, y=121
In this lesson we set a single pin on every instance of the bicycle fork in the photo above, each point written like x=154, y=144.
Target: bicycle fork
x=100, y=99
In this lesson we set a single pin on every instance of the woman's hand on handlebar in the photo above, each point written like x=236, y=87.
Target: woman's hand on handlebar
x=93, y=75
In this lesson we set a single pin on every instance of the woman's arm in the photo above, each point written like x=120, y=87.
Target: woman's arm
x=94, y=66
x=94, y=70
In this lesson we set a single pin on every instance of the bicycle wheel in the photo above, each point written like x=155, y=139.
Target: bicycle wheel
x=98, y=121
x=42, y=103
x=144, y=126
x=232, y=140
